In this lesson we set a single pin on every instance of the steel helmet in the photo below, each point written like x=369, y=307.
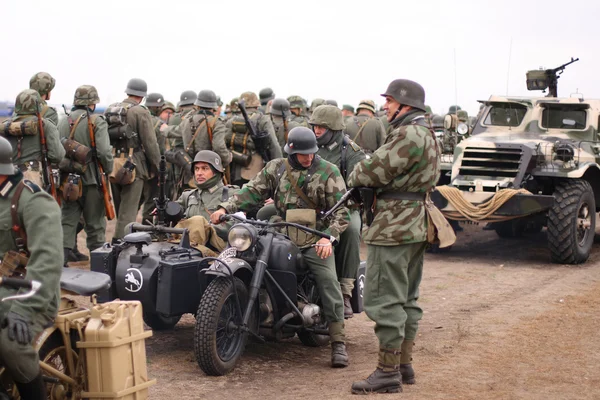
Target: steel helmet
x=301, y=140
x=328, y=116
x=407, y=93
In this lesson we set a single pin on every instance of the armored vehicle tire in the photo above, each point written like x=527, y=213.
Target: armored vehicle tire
x=309, y=338
x=160, y=322
x=218, y=344
x=572, y=222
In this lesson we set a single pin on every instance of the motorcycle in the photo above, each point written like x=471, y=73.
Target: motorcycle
x=260, y=287
x=95, y=352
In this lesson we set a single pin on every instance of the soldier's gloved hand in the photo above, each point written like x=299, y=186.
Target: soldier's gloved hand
x=18, y=328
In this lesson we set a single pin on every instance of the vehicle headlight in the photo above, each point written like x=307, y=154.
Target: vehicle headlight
x=241, y=236
x=462, y=129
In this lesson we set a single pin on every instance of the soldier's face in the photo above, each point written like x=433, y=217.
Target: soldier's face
x=202, y=172
x=165, y=115
x=305, y=159
x=319, y=130
x=390, y=107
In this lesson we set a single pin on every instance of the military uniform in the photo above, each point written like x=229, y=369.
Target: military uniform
x=299, y=117
x=402, y=171
x=39, y=216
x=201, y=121
x=280, y=129
x=27, y=149
x=367, y=131
x=146, y=156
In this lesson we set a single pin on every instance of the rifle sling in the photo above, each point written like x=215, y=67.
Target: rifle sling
x=18, y=231
x=299, y=191
x=209, y=126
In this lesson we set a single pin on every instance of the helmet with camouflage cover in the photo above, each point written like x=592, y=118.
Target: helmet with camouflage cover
x=187, y=98
x=265, y=95
x=27, y=102
x=250, y=99
x=329, y=117
x=155, y=100
x=6, y=161
x=296, y=102
x=316, y=103
x=462, y=115
x=168, y=106
x=42, y=82
x=406, y=92
x=301, y=140
x=86, y=95
x=206, y=99
x=137, y=87
x=366, y=105
x=331, y=102
x=280, y=107
x=209, y=157
x=453, y=109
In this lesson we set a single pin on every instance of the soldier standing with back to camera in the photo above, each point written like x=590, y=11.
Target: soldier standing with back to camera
x=265, y=96
x=401, y=172
x=90, y=203
x=298, y=110
x=38, y=236
x=366, y=130
x=138, y=144
x=280, y=111
x=43, y=83
x=338, y=149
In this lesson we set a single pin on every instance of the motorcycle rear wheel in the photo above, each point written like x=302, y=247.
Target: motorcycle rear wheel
x=218, y=344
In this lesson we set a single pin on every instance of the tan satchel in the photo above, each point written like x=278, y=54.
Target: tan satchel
x=438, y=227
x=123, y=172
x=305, y=217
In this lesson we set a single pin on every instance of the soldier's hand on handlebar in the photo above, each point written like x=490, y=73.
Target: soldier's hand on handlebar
x=18, y=328
x=324, y=248
x=215, y=217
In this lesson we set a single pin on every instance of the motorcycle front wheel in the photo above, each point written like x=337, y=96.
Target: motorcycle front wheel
x=218, y=343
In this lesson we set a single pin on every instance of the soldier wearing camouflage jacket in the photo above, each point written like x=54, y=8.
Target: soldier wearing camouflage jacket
x=43, y=83
x=325, y=186
x=338, y=149
x=298, y=111
x=22, y=320
x=27, y=149
x=91, y=203
x=401, y=171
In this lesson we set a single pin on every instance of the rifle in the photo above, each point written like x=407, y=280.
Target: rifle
x=161, y=201
x=285, y=128
x=260, y=139
x=46, y=169
x=99, y=172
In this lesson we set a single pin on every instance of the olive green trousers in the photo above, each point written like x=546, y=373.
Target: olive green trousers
x=392, y=290
x=91, y=205
x=347, y=254
x=127, y=204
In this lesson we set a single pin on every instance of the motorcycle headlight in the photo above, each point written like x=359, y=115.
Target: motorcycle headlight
x=462, y=128
x=242, y=236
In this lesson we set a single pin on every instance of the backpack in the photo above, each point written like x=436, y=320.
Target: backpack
x=116, y=118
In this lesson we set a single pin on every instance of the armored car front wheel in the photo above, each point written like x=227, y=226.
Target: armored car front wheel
x=218, y=341
x=572, y=222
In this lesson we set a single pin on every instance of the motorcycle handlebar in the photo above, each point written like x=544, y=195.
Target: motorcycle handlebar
x=16, y=283
x=156, y=229
x=226, y=217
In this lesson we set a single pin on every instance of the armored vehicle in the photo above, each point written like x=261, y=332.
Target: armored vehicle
x=547, y=150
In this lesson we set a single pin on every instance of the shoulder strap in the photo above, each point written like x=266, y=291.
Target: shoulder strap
x=299, y=191
x=361, y=127
x=195, y=134
x=44, y=110
x=18, y=230
x=75, y=126
x=344, y=151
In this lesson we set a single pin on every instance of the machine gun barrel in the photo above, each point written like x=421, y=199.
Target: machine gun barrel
x=562, y=67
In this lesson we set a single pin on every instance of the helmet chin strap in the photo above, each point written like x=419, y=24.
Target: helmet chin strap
x=400, y=106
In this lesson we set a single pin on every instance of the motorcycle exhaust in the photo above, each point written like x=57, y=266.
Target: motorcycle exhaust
x=311, y=313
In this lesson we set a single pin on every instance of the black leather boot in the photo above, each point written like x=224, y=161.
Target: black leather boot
x=34, y=390
x=66, y=253
x=76, y=256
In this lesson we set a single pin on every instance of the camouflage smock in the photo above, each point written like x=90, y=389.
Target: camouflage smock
x=407, y=162
x=325, y=188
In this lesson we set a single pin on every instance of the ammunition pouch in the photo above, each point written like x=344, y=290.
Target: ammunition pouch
x=13, y=264
x=77, y=151
x=178, y=157
x=301, y=216
x=240, y=158
x=71, y=166
x=20, y=128
x=123, y=172
x=238, y=125
x=71, y=187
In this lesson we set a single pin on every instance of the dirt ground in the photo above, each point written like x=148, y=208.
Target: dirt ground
x=500, y=322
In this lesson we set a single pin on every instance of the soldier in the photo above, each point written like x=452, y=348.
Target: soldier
x=297, y=108
x=90, y=203
x=323, y=186
x=203, y=130
x=43, y=83
x=141, y=149
x=166, y=112
x=250, y=155
x=26, y=141
x=280, y=111
x=184, y=108
x=314, y=104
x=347, y=112
x=154, y=103
x=331, y=102
x=364, y=128
x=35, y=218
x=453, y=109
x=265, y=96
x=186, y=101
x=401, y=172
x=210, y=191
x=338, y=149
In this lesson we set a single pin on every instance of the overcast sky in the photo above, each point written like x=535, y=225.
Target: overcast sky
x=460, y=51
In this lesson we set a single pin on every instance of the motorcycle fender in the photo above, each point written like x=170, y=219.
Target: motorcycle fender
x=239, y=268
x=42, y=337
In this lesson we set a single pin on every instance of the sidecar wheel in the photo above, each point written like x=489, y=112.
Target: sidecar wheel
x=218, y=344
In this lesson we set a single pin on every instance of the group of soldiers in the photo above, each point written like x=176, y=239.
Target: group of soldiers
x=270, y=157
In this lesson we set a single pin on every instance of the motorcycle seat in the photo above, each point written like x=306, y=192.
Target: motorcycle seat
x=138, y=237
x=83, y=283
